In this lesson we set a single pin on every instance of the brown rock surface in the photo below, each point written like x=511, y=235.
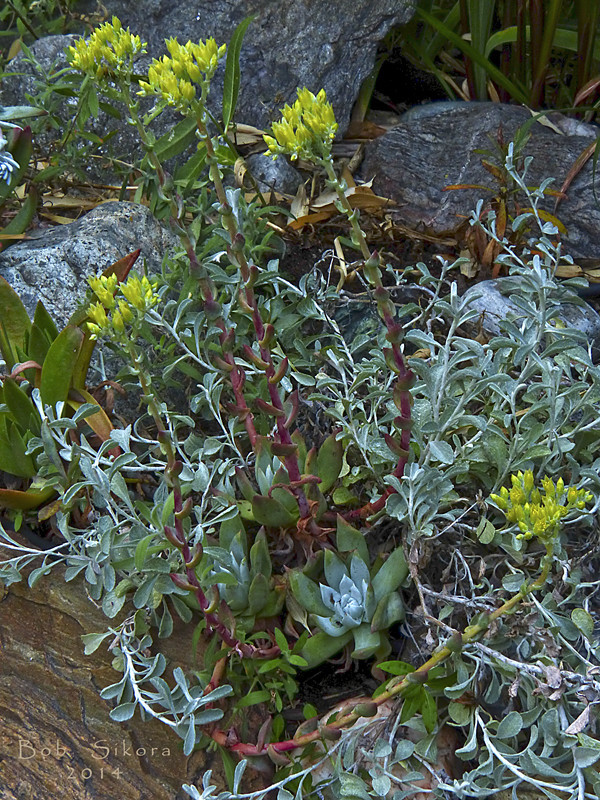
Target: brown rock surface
x=56, y=737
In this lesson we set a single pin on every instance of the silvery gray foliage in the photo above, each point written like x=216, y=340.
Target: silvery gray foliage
x=184, y=707
x=528, y=398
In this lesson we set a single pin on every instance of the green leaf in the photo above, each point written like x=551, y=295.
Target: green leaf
x=429, y=712
x=14, y=324
x=320, y=647
x=251, y=699
x=307, y=593
x=485, y=531
x=57, y=369
x=460, y=713
x=13, y=458
x=269, y=512
x=21, y=407
x=232, y=72
x=123, y=712
x=260, y=560
x=390, y=575
x=510, y=725
x=396, y=667
x=258, y=594
x=471, y=748
x=585, y=756
x=24, y=501
x=584, y=621
x=36, y=574
x=350, y=539
x=45, y=323
x=141, y=550
x=176, y=140
x=442, y=452
x=365, y=641
x=8, y=113
x=329, y=462
x=513, y=582
x=92, y=641
x=390, y=609
x=20, y=222
x=414, y=700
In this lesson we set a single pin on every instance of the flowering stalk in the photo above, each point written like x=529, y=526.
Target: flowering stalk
x=107, y=56
x=139, y=296
x=175, y=79
x=307, y=130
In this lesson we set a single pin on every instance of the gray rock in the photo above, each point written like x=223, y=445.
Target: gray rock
x=276, y=174
x=427, y=151
x=492, y=299
x=53, y=264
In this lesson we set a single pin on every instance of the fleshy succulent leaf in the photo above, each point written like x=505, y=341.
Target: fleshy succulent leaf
x=58, y=366
x=320, y=647
x=306, y=593
x=269, y=512
x=21, y=407
x=258, y=594
x=390, y=575
x=260, y=560
x=24, y=500
x=365, y=642
x=14, y=324
x=334, y=569
x=389, y=610
x=349, y=538
x=329, y=462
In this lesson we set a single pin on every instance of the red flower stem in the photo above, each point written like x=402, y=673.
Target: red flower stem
x=248, y=275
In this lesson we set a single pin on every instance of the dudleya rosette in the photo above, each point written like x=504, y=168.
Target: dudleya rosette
x=350, y=597
x=346, y=600
x=242, y=575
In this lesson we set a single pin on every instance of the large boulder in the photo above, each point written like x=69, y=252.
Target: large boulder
x=435, y=146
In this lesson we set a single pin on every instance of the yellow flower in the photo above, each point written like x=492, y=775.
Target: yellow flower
x=139, y=293
x=536, y=514
x=109, y=48
x=175, y=77
x=306, y=129
x=100, y=323
x=139, y=296
x=104, y=288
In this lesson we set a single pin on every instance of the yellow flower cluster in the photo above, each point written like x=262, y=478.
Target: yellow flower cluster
x=174, y=77
x=536, y=514
x=109, y=48
x=306, y=129
x=139, y=296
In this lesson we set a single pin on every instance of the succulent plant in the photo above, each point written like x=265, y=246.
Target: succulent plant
x=242, y=575
x=347, y=599
x=275, y=505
